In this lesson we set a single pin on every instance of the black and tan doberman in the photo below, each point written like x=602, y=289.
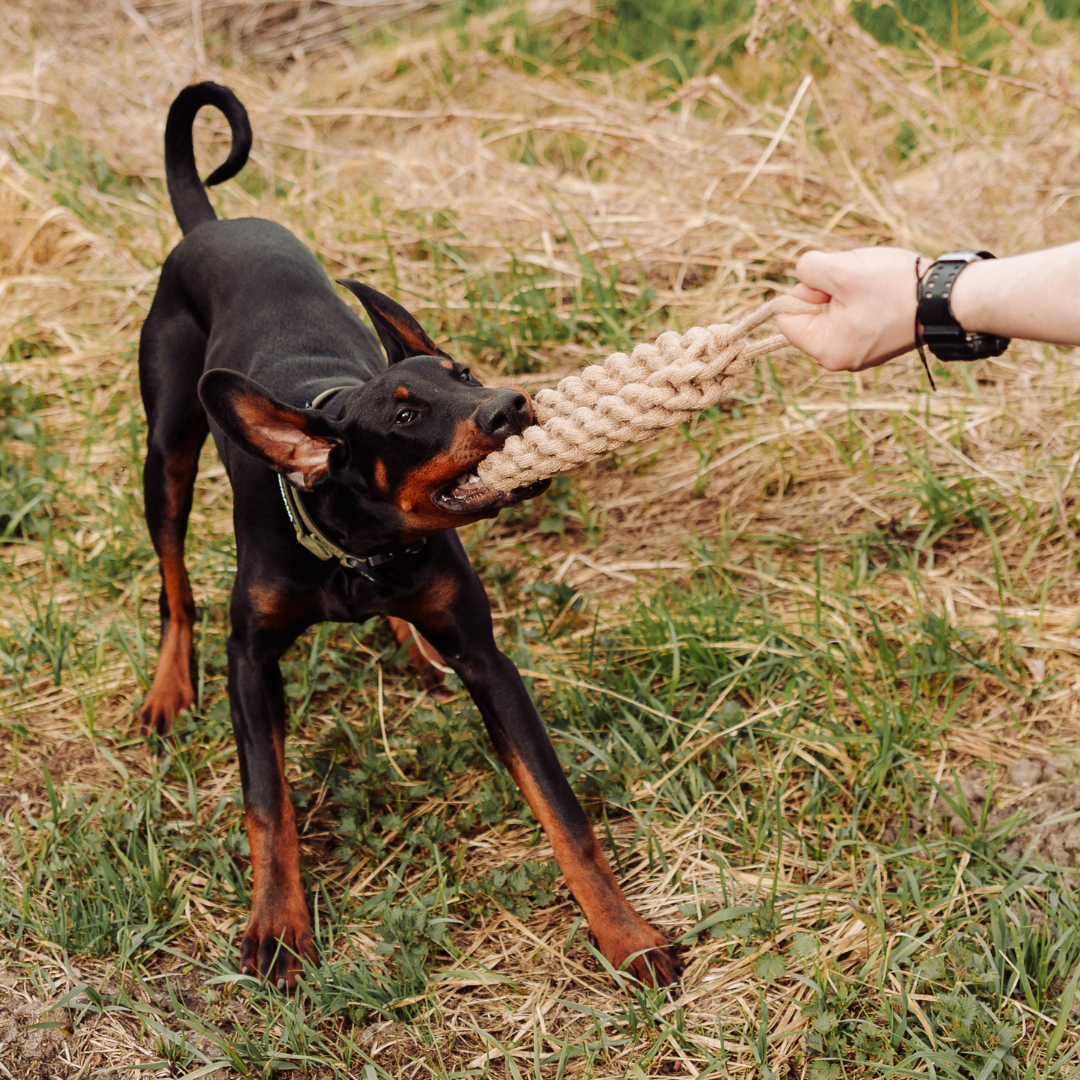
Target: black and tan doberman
x=350, y=473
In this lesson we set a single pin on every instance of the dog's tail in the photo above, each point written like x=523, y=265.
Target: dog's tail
x=189, y=199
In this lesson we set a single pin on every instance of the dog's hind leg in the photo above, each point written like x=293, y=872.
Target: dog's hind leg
x=170, y=362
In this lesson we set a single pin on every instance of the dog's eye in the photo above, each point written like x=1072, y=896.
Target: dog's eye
x=406, y=416
x=466, y=375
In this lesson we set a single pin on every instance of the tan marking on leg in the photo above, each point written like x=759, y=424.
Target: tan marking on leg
x=421, y=655
x=433, y=607
x=276, y=610
x=172, y=690
x=279, y=911
x=619, y=930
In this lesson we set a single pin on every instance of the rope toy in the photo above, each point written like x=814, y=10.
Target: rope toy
x=628, y=398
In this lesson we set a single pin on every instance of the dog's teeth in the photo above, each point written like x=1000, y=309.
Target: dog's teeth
x=473, y=478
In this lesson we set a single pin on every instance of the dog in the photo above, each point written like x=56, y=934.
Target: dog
x=350, y=474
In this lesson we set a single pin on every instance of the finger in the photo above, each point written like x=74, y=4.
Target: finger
x=805, y=332
x=810, y=295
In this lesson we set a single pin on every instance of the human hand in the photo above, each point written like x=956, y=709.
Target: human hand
x=871, y=313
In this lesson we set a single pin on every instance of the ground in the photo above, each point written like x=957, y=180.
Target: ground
x=811, y=662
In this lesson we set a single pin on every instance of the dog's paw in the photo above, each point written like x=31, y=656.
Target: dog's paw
x=169, y=695
x=651, y=960
x=661, y=966
x=277, y=941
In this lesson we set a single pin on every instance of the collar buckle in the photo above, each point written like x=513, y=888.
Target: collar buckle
x=313, y=545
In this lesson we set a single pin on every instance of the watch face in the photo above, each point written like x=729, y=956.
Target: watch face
x=964, y=256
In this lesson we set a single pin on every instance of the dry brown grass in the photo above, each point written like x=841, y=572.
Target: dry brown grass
x=378, y=156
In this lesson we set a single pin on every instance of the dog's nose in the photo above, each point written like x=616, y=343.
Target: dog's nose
x=508, y=412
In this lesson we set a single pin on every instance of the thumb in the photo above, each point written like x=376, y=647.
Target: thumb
x=814, y=269
x=805, y=332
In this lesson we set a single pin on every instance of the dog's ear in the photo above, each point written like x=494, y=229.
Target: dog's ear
x=401, y=335
x=294, y=442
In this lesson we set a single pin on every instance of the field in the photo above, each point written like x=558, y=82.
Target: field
x=812, y=662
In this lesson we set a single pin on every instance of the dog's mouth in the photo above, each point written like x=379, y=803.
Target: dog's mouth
x=468, y=494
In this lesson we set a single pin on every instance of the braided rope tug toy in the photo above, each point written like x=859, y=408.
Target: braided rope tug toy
x=628, y=398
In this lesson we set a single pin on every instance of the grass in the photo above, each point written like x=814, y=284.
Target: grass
x=810, y=662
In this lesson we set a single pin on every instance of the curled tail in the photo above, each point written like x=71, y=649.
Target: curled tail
x=189, y=199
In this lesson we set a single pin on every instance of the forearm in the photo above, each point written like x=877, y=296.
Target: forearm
x=1034, y=296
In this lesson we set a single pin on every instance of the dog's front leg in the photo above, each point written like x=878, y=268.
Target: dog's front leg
x=279, y=930
x=523, y=744
x=457, y=620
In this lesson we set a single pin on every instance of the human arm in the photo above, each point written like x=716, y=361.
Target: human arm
x=871, y=296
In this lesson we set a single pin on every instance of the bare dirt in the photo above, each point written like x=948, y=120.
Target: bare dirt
x=1041, y=793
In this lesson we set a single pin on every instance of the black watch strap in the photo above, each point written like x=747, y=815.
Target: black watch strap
x=940, y=331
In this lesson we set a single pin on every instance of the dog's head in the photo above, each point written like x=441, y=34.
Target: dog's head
x=409, y=439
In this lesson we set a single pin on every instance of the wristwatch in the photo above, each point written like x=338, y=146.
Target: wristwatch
x=934, y=320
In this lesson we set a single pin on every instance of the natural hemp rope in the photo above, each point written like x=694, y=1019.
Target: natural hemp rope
x=628, y=398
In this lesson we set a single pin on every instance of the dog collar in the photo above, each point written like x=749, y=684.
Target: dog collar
x=327, y=394
x=309, y=536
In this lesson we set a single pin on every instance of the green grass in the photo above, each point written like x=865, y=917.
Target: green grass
x=946, y=982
